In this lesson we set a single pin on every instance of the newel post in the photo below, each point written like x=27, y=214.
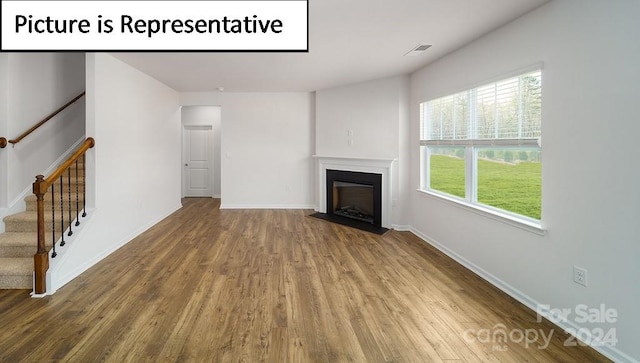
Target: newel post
x=41, y=258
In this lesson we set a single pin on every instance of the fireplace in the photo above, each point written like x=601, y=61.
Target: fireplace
x=355, y=195
x=370, y=176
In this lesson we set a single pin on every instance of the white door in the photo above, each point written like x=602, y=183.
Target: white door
x=197, y=157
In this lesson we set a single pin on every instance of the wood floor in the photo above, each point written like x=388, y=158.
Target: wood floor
x=206, y=285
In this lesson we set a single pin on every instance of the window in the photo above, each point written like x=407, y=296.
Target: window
x=482, y=146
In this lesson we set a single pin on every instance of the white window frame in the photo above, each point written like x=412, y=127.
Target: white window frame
x=471, y=146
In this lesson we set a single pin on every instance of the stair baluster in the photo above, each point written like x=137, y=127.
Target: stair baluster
x=77, y=200
x=53, y=220
x=62, y=226
x=69, y=189
x=84, y=187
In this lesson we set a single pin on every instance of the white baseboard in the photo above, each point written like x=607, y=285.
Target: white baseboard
x=59, y=281
x=37, y=296
x=401, y=227
x=608, y=351
x=266, y=206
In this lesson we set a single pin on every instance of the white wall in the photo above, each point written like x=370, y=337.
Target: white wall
x=376, y=114
x=369, y=109
x=207, y=116
x=134, y=170
x=266, y=147
x=590, y=156
x=33, y=86
x=4, y=125
x=403, y=184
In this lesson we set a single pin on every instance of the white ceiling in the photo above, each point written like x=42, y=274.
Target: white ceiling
x=349, y=41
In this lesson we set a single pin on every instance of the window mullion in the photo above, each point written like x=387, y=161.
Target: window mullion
x=471, y=173
x=426, y=165
x=470, y=168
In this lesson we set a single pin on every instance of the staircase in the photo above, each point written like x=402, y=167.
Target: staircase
x=19, y=242
x=30, y=235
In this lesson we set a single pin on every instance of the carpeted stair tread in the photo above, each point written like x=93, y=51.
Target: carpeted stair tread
x=31, y=204
x=22, y=239
x=18, y=239
x=27, y=221
x=47, y=197
x=19, y=244
x=22, y=217
x=16, y=272
x=16, y=266
x=32, y=216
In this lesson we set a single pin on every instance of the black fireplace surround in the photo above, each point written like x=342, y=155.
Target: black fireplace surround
x=354, y=199
x=335, y=177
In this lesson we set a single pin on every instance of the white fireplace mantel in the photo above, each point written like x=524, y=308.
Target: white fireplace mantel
x=364, y=165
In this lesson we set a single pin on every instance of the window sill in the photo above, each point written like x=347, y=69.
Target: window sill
x=529, y=226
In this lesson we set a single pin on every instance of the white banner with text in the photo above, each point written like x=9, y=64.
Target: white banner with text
x=155, y=25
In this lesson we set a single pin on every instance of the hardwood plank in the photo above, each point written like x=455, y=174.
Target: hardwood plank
x=271, y=286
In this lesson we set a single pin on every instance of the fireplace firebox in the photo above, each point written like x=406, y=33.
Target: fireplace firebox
x=355, y=195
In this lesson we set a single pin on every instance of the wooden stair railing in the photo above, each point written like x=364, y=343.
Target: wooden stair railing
x=3, y=141
x=40, y=188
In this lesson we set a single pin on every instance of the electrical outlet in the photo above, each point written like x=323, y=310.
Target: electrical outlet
x=580, y=275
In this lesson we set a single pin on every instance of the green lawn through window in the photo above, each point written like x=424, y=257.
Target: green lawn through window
x=447, y=174
x=515, y=187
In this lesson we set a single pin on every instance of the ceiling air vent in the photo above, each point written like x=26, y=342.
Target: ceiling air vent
x=417, y=50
